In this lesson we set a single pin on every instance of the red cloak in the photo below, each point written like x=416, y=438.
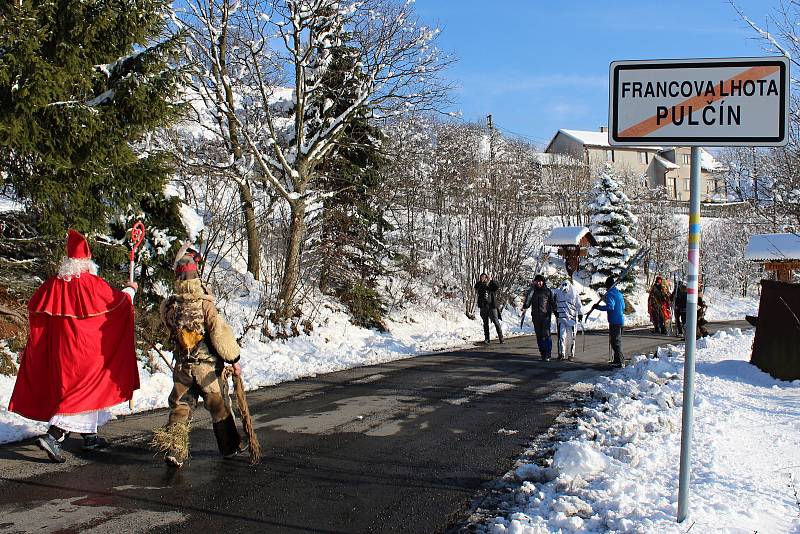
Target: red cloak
x=80, y=355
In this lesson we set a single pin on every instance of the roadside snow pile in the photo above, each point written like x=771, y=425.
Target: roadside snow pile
x=620, y=471
x=723, y=307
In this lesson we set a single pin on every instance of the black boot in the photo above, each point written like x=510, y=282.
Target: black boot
x=227, y=435
x=92, y=442
x=51, y=444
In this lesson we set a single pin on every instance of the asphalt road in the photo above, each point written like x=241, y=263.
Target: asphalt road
x=400, y=447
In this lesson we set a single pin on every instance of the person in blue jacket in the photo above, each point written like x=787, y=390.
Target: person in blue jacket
x=615, y=308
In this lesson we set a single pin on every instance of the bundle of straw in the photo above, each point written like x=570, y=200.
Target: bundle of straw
x=172, y=438
x=244, y=414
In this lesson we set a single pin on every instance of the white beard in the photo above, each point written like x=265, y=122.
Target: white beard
x=73, y=268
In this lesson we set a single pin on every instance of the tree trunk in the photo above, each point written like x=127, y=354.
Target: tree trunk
x=291, y=271
x=253, y=243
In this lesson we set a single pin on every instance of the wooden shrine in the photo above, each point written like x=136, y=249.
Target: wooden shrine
x=779, y=254
x=573, y=243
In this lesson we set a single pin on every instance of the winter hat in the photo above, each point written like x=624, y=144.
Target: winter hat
x=186, y=267
x=539, y=278
x=186, y=262
x=609, y=282
x=77, y=247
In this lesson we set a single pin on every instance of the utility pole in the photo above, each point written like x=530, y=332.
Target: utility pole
x=490, y=126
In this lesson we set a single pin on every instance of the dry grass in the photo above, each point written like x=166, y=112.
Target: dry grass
x=172, y=438
x=7, y=366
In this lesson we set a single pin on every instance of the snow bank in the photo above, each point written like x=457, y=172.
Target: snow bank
x=619, y=472
x=579, y=458
x=721, y=307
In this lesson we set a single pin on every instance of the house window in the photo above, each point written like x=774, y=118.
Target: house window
x=643, y=158
x=610, y=156
x=687, y=159
x=686, y=183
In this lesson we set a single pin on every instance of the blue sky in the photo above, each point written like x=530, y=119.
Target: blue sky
x=541, y=65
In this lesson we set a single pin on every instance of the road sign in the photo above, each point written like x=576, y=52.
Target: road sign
x=699, y=102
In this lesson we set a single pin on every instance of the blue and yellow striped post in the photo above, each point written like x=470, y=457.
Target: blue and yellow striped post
x=691, y=335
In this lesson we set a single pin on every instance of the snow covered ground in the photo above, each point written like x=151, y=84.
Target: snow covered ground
x=427, y=325
x=619, y=471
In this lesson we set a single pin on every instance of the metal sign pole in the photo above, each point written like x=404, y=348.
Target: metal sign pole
x=691, y=335
x=698, y=102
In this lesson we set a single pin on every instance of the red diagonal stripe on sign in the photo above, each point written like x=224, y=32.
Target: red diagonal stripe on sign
x=650, y=125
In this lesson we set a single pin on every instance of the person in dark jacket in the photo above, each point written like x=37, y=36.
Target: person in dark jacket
x=615, y=308
x=702, y=306
x=540, y=300
x=486, y=291
x=679, y=297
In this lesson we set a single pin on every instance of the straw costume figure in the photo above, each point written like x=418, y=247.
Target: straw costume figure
x=203, y=343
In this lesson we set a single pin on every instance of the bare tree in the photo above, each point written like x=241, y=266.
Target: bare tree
x=658, y=231
x=566, y=182
x=774, y=175
x=384, y=60
x=722, y=262
x=467, y=194
x=213, y=29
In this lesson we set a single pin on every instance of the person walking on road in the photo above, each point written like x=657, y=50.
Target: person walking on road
x=203, y=343
x=702, y=306
x=568, y=311
x=80, y=358
x=486, y=291
x=615, y=308
x=679, y=297
x=658, y=304
x=540, y=300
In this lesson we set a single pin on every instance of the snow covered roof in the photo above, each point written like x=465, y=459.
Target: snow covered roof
x=667, y=164
x=773, y=247
x=599, y=139
x=567, y=235
x=709, y=162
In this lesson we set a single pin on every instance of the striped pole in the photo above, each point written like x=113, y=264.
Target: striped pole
x=691, y=335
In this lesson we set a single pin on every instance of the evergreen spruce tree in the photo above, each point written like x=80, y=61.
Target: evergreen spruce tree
x=353, y=232
x=352, y=239
x=82, y=81
x=612, y=224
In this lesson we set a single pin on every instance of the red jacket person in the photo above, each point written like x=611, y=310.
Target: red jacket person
x=80, y=358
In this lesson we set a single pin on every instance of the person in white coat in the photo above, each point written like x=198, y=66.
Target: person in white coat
x=568, y=309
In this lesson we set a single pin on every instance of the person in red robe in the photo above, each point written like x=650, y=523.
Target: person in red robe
x=80, y=357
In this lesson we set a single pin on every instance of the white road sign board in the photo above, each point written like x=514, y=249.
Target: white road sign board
x=699, y=102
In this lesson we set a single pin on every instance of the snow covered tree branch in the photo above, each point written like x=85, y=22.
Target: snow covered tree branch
x=285, y=78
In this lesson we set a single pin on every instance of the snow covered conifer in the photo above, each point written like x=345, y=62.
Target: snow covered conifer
x=81, y=82
x=612, y=224
x=353, y=242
